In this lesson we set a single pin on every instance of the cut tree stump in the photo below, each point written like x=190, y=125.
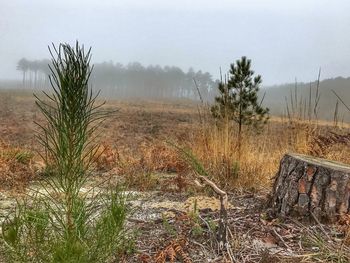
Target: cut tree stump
x=314, y=188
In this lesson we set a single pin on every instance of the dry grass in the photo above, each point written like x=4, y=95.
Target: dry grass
x=262, y=152
x=16, y=169
x=253, y=169
x=324, y=249
x=133, y=142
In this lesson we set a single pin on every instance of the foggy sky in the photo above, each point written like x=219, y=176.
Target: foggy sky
x=284, y=39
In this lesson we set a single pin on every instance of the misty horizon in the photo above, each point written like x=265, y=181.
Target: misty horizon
x=285, y=40
x=19, y=76
x=215, y=77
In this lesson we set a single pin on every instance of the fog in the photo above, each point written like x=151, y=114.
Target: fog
x=284, y=39
x=126, y=81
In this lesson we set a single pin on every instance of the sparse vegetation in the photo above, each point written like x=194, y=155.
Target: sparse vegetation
x=59, y=223
x=132, y=149
x=238, y=100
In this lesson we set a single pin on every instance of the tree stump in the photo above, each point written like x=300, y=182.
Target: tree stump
x=314, y=188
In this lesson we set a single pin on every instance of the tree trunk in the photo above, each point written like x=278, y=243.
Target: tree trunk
x=24, y=78
x=311, y=187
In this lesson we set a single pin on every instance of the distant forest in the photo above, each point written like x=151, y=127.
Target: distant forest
x=132, y=80
x=155, y=82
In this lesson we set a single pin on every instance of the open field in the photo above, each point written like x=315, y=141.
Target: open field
x=135, y=150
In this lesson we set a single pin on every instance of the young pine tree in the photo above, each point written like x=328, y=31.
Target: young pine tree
x=238, y=98
x=59, y=222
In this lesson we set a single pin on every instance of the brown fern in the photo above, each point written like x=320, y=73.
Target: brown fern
x=322, y=143
x=161, y=256
x=179, y=251
x=172, y=251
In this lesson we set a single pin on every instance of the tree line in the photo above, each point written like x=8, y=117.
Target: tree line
x=131, y=80
x=34, y=73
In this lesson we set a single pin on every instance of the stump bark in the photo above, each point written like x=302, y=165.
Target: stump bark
x=314, y=188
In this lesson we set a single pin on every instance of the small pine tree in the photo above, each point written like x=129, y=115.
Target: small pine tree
x=59, y=222
x=238, y=99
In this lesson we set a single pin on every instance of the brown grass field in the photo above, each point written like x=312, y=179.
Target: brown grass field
x=135, y=149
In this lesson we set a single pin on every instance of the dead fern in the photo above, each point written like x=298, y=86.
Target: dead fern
x=321, y=144
x=172, y=251
x=106, y=157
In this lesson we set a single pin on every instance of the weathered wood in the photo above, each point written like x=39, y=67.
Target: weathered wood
x=222, y=225
x=311, y=187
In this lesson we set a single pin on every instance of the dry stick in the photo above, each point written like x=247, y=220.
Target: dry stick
x=262, y=100
x=204, y=249
x=222, y=231
x=280, y=238
x=301, y=108
x=317, y=96
x=209, y=228
x=335, y=117
x=201, y=99
x=220, y=74
x=288, y=112
x=296, y=93
x=320, y=225
x=310, y=104
x=199, y=93
x=292, y=103
x=229, y=250
x=346, y=106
